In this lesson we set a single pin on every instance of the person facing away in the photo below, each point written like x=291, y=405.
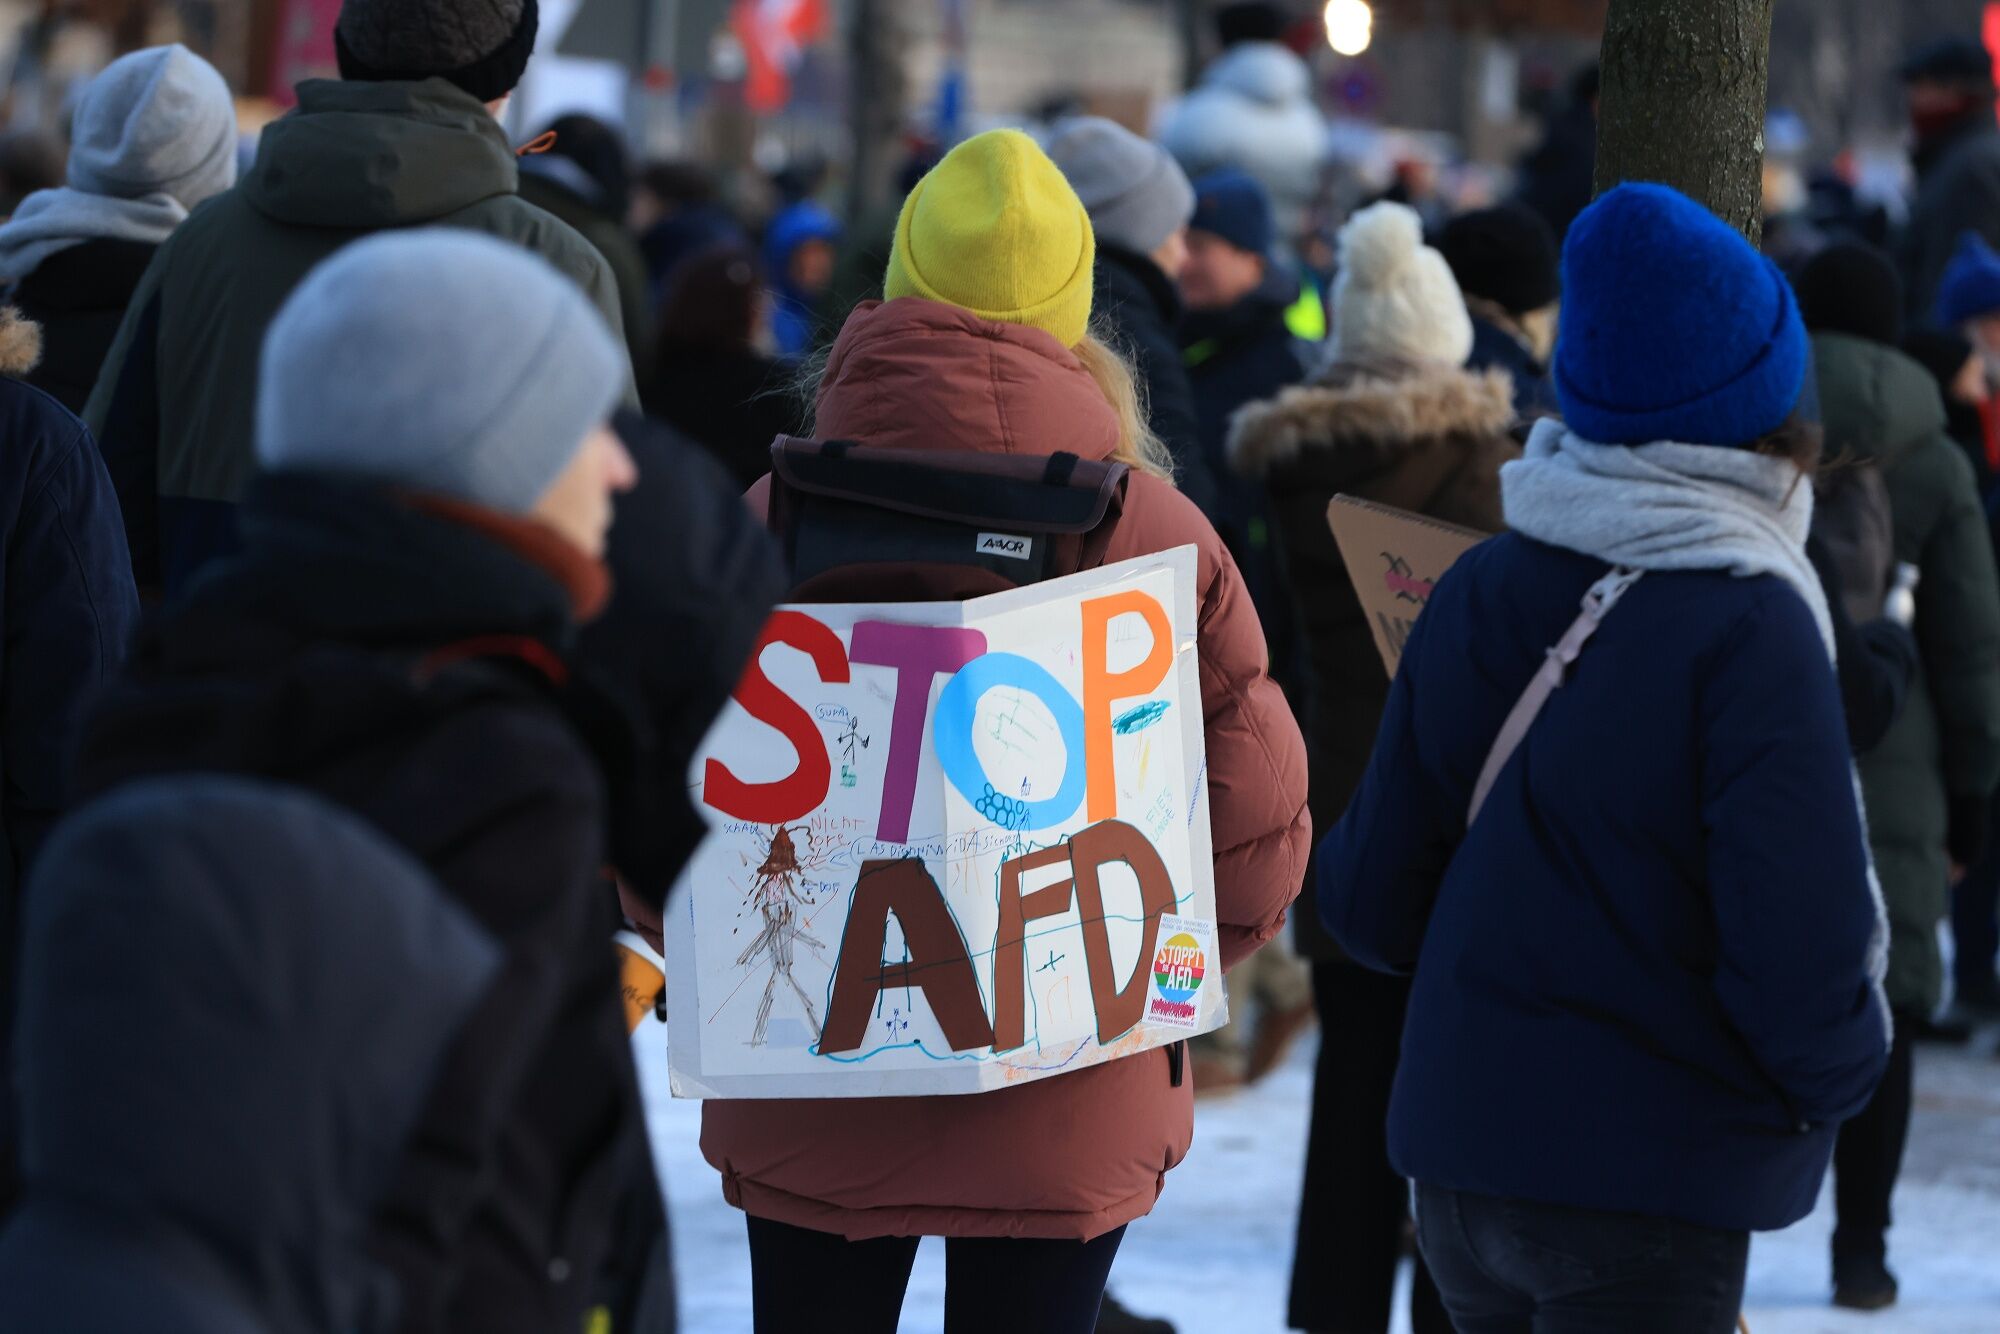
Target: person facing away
x=585, y=179
x=154, y=136
x=1505, y=261
x=984, y=346
x=234, y=1000
x=418, y=550
x=1140, y=203
x=1948, y=87
x=713, y=380
x=1647, y=968
x=407, y=137
x=1253, y=111
x=1931, y=779
x=1238, y=350
x=1395, y=418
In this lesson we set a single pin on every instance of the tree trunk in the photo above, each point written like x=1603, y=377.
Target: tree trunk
x=1683, y=102
x=877, y=95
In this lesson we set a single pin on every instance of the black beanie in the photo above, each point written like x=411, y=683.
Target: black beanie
x=482, y=46
x=1506, y=255
x=1851, y=288
x=1251, y=22
x=599, y=152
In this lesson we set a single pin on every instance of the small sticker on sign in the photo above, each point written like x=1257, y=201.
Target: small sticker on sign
x=1181, y=959
x=1011, y=545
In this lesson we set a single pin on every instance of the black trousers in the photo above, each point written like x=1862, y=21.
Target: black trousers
x=1975, y=919
x=822, y=1282
x=1515, y=1267
x=1868, y=1157
x=1354, y=1207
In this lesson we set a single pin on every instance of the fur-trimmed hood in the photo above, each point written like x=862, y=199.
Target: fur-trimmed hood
x=20, y=343
x=1362, y=420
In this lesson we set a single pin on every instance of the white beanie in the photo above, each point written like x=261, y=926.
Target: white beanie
x=1395, y=299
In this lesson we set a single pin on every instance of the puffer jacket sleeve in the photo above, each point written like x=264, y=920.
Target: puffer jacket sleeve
x=1958, y=628
x=1256, y=766
x=1800, y=932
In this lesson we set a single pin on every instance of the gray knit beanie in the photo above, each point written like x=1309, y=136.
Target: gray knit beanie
x=439, y=360
x=155, y=122
x=480, y=45
x=1136, y=194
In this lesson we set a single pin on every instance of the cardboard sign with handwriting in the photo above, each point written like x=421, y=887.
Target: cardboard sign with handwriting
x=1395, y=559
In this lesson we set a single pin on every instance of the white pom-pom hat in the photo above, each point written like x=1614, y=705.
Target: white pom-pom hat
x=1395, y=299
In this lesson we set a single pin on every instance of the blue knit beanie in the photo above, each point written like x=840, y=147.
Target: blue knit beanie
x=1673, y=327
x=1971, y=284
x=1232, y=205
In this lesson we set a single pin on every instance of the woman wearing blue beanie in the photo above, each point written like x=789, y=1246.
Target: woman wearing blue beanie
x=1646, y=944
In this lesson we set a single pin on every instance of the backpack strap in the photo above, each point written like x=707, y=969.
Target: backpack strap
x=1602, y=597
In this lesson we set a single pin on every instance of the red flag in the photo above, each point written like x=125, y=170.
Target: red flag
x=774, y=34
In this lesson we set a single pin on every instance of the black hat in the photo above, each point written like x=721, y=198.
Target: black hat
x=599, y=153
x=1853, y=289
x=1957, y=61
x=482, y=46
x=1251, y=22
x=1507, y=255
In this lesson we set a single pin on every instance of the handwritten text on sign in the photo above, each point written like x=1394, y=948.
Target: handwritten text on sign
x=945, y=839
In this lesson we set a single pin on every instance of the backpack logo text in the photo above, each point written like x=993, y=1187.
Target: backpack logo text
x=1005, y=544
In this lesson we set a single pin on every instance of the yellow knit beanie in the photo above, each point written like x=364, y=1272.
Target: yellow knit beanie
x=996, y=230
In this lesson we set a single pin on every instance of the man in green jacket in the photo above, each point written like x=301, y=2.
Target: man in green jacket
x=408, y=137
x=1929, y=781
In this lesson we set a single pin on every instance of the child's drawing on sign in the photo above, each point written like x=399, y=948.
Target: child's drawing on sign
x=776, y=896
x=847, y=741
x=1401, y=581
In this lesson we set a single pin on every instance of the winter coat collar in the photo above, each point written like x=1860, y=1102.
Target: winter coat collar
x=916, y=374
x=1365, y=417
x=583, y=578
x=20, y=343
x=331, y=558
x=1123, y=274
x=364, y=156
x=1876, y=404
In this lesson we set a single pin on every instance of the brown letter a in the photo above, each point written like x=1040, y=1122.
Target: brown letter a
x=939, y=963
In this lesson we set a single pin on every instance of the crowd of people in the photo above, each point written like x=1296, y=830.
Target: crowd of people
x=385, y=524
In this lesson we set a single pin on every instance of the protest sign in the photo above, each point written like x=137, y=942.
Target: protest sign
x=1394, y=558
x=953, y=846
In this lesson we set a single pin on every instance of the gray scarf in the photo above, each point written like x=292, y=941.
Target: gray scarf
x=1670, y=506
x=1667, y=506
x=53, y=220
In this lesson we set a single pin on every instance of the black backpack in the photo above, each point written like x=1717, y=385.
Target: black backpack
x=859, y=524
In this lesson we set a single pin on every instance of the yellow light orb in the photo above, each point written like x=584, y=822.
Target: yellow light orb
x=1350, y=26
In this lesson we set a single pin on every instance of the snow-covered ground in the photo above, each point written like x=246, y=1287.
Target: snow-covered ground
x=1216, y=1254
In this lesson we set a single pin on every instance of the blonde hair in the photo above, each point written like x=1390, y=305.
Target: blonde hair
x=1138, y=447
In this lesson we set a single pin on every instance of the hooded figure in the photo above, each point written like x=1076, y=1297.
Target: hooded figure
x=1253, y=111
x=154, y=135
x=406, y=138
x=798, y=258
x=234, y=999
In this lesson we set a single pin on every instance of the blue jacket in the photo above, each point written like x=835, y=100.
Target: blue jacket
x=1640, y=981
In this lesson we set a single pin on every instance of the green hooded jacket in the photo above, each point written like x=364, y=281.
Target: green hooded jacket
x=1943, y=754
x=175, y=403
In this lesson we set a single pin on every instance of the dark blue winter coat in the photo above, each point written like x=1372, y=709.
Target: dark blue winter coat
x=1640, y=980
x=1494, y=348
x=233, y=1003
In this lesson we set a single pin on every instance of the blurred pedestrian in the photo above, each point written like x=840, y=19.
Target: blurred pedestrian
x=798, y=258
x=1642, y=902
x=213, y=1169
x=1559, y=175
x=713, y=380
x=675, y=214
x=1140, y=202
x=1253, y=111
x=1948, y=84
x=1960, y=372
x=984, y=348
x=425, y=536
x=1931, y=781
x=1238, y=350
x=1397, y=419
x=1504, y=259
x=407, y=137
x=585, y=179
x=154, y=135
